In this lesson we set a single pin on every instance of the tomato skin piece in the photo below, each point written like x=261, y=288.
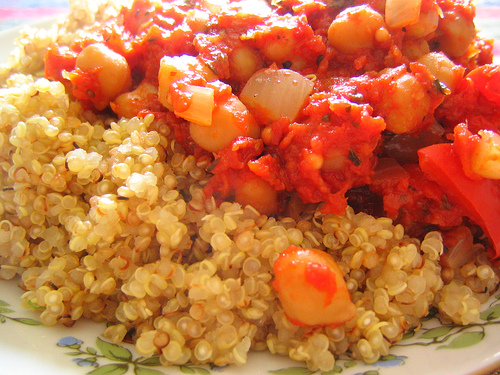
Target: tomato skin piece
x=480, y=198
x=487, y=80
x=59, y=59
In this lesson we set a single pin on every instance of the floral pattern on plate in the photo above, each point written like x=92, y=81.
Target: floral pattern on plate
x=84, y=351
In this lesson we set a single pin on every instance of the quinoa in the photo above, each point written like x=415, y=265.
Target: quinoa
x=107, y=219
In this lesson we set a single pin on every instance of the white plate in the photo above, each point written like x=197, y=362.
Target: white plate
x=26, y=347
x=8, y=37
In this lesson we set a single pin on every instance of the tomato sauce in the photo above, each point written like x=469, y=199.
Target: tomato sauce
x=320, y=276
x=367, y=106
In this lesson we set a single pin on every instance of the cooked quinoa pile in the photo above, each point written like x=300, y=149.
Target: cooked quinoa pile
x=106, y=219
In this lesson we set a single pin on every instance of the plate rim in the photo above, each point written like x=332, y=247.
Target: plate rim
x=490, y=364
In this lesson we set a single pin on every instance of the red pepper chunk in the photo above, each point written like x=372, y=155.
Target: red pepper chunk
x=479, y=197
x=487, y=80
x=57, y=60
x=311, y=288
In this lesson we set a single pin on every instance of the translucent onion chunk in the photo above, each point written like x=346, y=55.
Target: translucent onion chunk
x=274, y=93
x=401, y=13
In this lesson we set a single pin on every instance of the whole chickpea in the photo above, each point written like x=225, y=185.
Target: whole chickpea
x=244, y=62
x=403, y=93
x=355, y=28
x=443, y=69
x=113, y=71
x=230, y=119
x=427, y=24
x=456, y=34
x=259, y=194
x=311, y=288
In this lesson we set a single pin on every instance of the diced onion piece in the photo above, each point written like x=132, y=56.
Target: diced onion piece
x=401, y=13
x=174, y=68
x=459, y=243
x=274, y=93
x=253, y=7
x=201, y=105
x=215, y=6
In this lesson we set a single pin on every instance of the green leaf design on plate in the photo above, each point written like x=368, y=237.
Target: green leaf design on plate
x=152, y=361
x=464, y=340
x=5, y=310
x=491, y=313
x=194, y=370
x=146, y=371
x=201, y=370
x=336, y=370
x=35, y=306
x=293, y=371
x=388, y=357
x=112, y=369
x=350, y=364
x=3, y=303
x=408, y=335
x=91, y=350
x=437, y=332
x=28, y=321
x=113, y=351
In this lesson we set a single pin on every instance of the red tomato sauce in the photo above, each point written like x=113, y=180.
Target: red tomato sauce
x=321, y=277
x=366, y=107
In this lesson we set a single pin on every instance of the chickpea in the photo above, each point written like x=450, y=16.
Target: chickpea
x=280, y=46
x=259, y=194
x=427, y=24
x=404, y=93
x=415, y=48
x=311, y=288
x=457, y=33
x=445, y=70
x=230, y=119
x=355, y=28
x=244, y=62
x=113, y=71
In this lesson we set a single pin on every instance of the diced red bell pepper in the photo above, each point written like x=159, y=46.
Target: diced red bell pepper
x=480, y=198
x=487, y=80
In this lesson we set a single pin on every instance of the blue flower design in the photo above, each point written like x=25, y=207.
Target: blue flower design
x=85, y=361
x=391, y=361
x=69, y=341
x=218, y=368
